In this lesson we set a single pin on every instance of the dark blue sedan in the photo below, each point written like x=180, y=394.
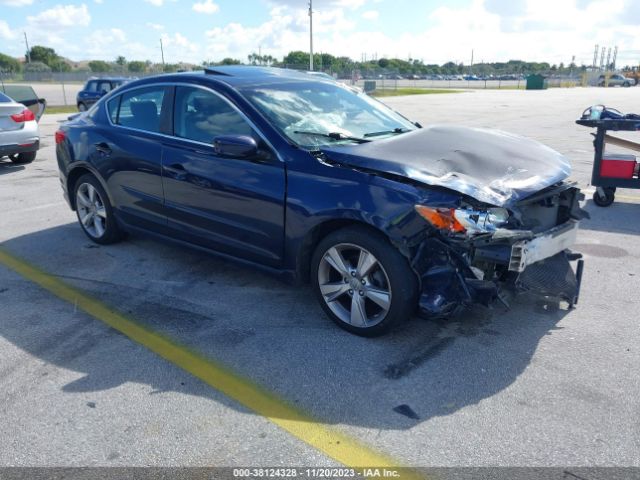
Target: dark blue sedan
x=316, y=182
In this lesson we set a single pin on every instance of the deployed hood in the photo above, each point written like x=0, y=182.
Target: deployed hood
x=491, y=166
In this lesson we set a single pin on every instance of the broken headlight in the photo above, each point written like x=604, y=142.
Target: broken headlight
x=463, y=220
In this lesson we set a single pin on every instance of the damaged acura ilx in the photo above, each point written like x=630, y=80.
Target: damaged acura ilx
x=320, y=183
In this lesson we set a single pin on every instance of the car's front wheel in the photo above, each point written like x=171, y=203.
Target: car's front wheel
x=94, y=211
x=363, y=282
x=23, y=158
x=82, y=107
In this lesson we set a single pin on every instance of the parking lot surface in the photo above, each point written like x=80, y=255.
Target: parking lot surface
x=537, y=385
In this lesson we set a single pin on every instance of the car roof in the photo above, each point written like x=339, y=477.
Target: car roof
x=240, y=76
x=109, y=79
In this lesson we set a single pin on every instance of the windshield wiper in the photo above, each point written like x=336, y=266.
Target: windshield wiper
x=395, y=131
x=334, y=136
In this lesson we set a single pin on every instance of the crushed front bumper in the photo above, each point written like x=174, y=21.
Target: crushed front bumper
x=453, y=278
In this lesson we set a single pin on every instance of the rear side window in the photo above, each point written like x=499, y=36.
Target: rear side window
x=140, y=109
x=4, y=98
x=201, y=115
x=112, y=109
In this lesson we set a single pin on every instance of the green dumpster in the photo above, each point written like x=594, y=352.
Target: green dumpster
x=370, y=86
x=536, y=82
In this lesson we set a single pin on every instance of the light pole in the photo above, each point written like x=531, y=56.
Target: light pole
x=162, y=53
x=26, y=42
x=311, y=34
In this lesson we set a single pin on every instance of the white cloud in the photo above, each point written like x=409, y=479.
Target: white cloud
x=207, y=7
x=371, y=15
x=156, y=3
x=16, y=3
x=178, y=48
x=5, y=32
x=155, y=26
x=61, y=17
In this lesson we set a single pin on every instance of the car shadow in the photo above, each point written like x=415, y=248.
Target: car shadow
x=7, y=166
x=273, y=333
x=614, y=219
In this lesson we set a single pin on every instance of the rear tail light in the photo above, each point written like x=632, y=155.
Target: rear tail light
x=26, y=116
x=60, y=137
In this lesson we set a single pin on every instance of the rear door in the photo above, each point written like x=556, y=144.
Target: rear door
x=90, y=94
x=129, y=154
x=228, y=204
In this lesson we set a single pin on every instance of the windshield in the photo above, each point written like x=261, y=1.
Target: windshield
x=318, y=114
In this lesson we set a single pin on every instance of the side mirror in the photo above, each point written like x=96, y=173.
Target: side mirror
x=235, y=146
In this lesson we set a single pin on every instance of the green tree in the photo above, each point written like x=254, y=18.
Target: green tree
x=136, y=66
x=230, y=61
x=46, y=55
x=60, y=65
x=98, y=66
x=9, y=64
x=169, y=67
x=297, y=58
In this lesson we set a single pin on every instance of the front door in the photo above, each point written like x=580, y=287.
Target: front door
x=232, y=205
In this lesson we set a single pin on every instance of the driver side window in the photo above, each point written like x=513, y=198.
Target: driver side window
x=201, y=116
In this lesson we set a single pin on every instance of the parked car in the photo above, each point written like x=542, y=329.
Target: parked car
x=316, y=183
x=95, y=89
x=19, y=133
x=616, y=80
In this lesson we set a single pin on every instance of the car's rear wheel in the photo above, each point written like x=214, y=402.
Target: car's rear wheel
x=23, y=158
x=82, y=107
x=94, y=211
x=363, y=283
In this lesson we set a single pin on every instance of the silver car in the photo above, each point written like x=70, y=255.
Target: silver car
x=19, y=135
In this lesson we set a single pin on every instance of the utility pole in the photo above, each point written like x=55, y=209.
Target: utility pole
x=311, y=35
x=162, y=54
x=26, y=42
x=471, y=66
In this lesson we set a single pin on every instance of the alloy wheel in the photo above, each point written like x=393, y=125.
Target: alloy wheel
x=91, y=210
x=354, y=285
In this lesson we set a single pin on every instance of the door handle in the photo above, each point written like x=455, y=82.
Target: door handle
x=103, y=148
x=177, y=170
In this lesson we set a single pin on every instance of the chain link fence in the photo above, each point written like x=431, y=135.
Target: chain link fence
x=61, y=88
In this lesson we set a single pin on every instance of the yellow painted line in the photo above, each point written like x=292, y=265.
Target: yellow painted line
x=336, y=445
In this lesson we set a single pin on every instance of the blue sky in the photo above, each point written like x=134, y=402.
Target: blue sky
x=432, y=30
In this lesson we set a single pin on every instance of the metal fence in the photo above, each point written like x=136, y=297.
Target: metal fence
x=61, y=88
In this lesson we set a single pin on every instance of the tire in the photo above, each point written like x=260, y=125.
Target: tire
x=94, y=211
x=607, y=200
x=373, y=290
x=626, y=85
x=82, y=107
x=23, y=158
